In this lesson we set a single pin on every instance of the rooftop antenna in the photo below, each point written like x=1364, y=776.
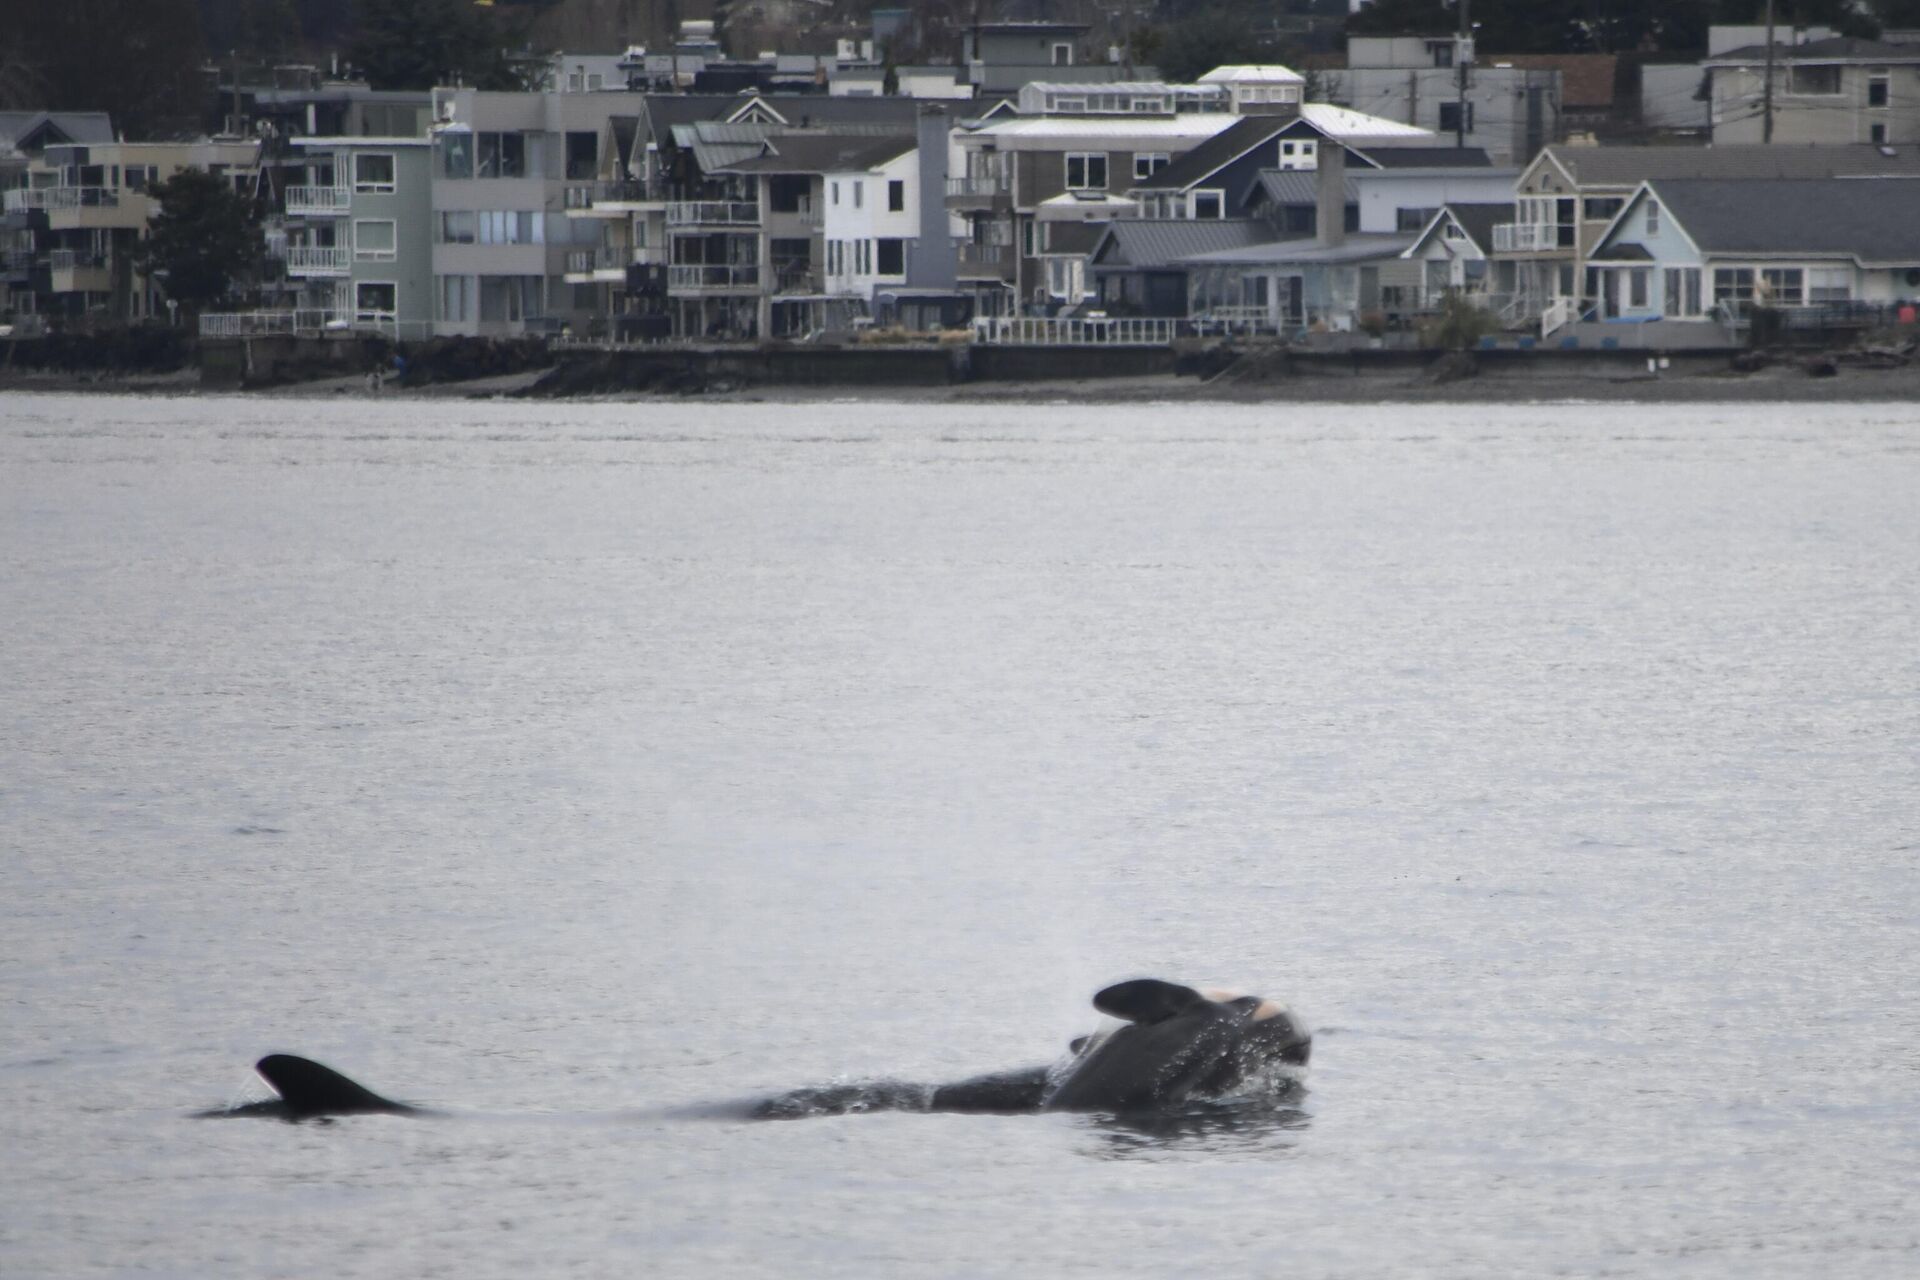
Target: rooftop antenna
x=1766, y=93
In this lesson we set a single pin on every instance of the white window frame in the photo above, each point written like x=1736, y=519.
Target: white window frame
x=1148, y=163
x=360, y=313
x=1062, y=53
x=1653, y=217
x=1193, y=203
x=388, y=254
x=373, y=186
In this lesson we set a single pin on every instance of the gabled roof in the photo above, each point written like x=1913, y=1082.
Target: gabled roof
x=1834, y=49
x=1159, y=242
x=22, y=130
x=1476, y=220
x=1629, y=166
x=1217, y=152
x=1868, y=219
x=1349, y=125
x=823, y=153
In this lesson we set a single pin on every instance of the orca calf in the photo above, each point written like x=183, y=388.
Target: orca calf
x=309, y=1091
x=1180, y=1047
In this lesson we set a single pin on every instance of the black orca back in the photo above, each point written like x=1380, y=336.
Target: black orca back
x=310, y=1089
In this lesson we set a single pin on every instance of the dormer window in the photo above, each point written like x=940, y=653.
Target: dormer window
x=1300, y=153
x=1062, y=53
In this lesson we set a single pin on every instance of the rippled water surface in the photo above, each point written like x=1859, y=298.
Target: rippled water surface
x=574, y=768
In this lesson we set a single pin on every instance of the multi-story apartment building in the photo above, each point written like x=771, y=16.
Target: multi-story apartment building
x=24, y=138
x=357, y=234
x=1832, y=91
x=88, y=206
x=502, y=166
x=1509, y=111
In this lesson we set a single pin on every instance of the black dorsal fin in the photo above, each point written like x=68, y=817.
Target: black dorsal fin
x=1147, y=1000
x=310, y=1089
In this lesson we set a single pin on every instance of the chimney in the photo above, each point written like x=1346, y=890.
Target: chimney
x=1330, y=193
x=932, y=262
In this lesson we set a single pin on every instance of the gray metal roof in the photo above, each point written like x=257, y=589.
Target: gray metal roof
x=75, y=126
x=1630, y=166
x=1297, y=186
x=1158, y=242
x=1870, y=219
x=1356, y=248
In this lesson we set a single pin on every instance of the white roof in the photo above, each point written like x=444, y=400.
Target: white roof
x=1345, y=122
x=1042, y=130
x=1246, y=73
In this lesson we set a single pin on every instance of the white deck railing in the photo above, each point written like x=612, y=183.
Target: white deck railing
x=253, y=324
x=1559, y=314
x=324, y=200
x=317, y=260
x=713, y=213
x=1525, y=237
x=1094, y=331
x=700, y=276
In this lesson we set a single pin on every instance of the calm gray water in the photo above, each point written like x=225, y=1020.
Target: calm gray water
x=566, y=767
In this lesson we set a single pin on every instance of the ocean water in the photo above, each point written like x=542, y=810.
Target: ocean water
x=575, y=768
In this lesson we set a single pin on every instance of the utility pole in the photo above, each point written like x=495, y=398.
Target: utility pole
x=1766, y=93
x=1462, y=60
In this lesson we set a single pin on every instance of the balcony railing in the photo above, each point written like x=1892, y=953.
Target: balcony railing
x=581, y=261
x=1525, y=237
x=615, y=191
x=713, y=213
x=1111, y=331
x=73, y=260
x=795, y=277
x=317, y=260
x=985, y=255
x=321, y=200
x=979, y=184
x=253, y=324
x=702, y=276
x=62, y=198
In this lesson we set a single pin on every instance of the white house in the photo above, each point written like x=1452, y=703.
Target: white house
x=871, y=216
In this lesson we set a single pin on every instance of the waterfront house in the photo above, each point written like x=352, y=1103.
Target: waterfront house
x=1568, y=195
x=357, y=235
x=1137, y=265
x=1704, y=250
x=1453, y=251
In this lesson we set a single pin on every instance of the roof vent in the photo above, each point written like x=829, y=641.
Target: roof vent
x=1888, y=152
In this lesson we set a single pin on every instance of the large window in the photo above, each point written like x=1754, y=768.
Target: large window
x=509, y=226
x=1086, y=171
x=583, y=155
x=890, y=257
x=1209, y=204
x=1300, y=153
x=1829, y=284
x=1877, y=88
x=456, y=155
x=375, y=301
x=457, y=227
x=501, y=155
x=1148, y=163
x=1783, y=286
x=1733, y=288
x=373, y=172
x=456, y=298
x=1450, y=118
x=1405, y=220
x=896, y=197
x=1819, y=81
x=1682, y=297
x=373, y=240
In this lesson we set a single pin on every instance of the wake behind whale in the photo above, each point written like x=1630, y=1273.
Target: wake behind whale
x=1177, y=1050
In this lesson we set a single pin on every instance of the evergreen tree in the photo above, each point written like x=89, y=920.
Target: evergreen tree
x=204, y=240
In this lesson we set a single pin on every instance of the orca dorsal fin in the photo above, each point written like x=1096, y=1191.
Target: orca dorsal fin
x=310, y=1089
x=1146, y=1000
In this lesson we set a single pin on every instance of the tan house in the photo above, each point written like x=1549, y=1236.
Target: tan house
x=1831, y=91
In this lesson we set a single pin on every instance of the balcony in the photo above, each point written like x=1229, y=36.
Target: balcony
x=713, y=213
x=795, y=278
x=706, y=278
x=62, y=198
x=321, y=260
x=611, y=197
x=1530, y=237
x=985, y=261
x=322, y=201
x=979, y=191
